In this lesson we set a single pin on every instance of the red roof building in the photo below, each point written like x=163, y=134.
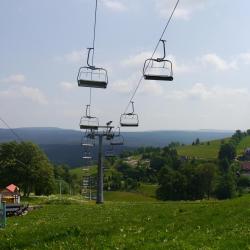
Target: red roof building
x=12, y=188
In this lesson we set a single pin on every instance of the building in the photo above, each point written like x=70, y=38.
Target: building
x=10, y=194
x=245, y=167
x=247, y=154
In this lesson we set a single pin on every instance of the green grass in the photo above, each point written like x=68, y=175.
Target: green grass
x=79, y=172
x=147, y=190
x=115, y=225
x=127, y=197
x=205, y=151
x=202, y=151
x=245, y=143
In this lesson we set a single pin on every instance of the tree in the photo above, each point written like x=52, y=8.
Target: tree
x=208, y=173
x=226, y=186
x=172, y=185
x=227, y=151
x=197, y=141
x=26, y=165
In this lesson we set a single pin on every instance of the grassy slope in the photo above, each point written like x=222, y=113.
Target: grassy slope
x=128, y=197
x=170, y=225
x=210, y=151
x=245, y=143
x=201, y=151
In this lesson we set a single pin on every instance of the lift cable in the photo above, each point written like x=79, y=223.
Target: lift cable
x=11, y=130
x=161, y=37
x=93, y=46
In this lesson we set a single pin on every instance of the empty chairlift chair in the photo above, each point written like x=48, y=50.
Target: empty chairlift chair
x=91, y=76
x=110, y=152
x=129, y=119
x=89, y=122
x=118, y=139
x=87, y=143
x=158, y=69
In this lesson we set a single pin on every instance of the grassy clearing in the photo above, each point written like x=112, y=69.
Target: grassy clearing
x=127, y=197
x=171, y=225
x=245, y=143
x=147, y=190
x=202, y=151
x=210, y=151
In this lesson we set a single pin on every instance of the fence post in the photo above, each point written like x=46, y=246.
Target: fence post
x=3, y=214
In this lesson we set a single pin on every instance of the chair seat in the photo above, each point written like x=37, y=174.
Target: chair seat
x=92, y=84
x=87, y=145
x=129, y=124
x=89, y=127
x=116, y=143
x=158, y=77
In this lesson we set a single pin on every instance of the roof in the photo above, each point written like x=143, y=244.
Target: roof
x=12, y=188
x=245, y=166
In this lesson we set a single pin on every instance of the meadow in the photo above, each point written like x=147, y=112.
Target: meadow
x=130, y=224
x=210, y=150
x=201, y=151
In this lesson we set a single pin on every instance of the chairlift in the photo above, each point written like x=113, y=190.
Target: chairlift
x=88, y=140
x=110, y=152
x=89, y=122
x=118, y=139
x=91, y=76
x=129, y=119
x=159, y=69
x=87, y=157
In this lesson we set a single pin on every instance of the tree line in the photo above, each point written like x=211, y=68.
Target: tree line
x=180, y=178
x=27, y=166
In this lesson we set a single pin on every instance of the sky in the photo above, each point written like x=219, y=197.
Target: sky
x=43, y=44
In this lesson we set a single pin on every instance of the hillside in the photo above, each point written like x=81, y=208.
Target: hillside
x=203, y=151
x=245, y=143
x=136, y=225
x=210, y=150
x=62, y=146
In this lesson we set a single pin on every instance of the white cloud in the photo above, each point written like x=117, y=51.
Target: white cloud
x=200, y=91
x=17, y=78
x=151, y=88
x=184, y=10
x=245, y=58
x=137, y=60
x=30, y=93
x=74, y=56
x=68, y=85
x=33, y=94
x=146, y=87
x=219, y=63
x=125, y=86
x=114, y=5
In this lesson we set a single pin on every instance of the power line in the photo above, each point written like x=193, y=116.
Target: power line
x=164, y=30
x=11, y=130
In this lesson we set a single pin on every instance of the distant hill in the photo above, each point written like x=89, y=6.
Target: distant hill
x=63, y=145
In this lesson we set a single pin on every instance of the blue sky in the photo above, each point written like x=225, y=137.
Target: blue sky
x=43, y=43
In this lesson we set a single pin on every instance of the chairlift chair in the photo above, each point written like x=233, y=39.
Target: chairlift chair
x=118, y=139
x=88, y=140
x=91, y=76
x=89, y=122
x=110, y=152
x=129, y=119
x=87, y=156
x=158, y=69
